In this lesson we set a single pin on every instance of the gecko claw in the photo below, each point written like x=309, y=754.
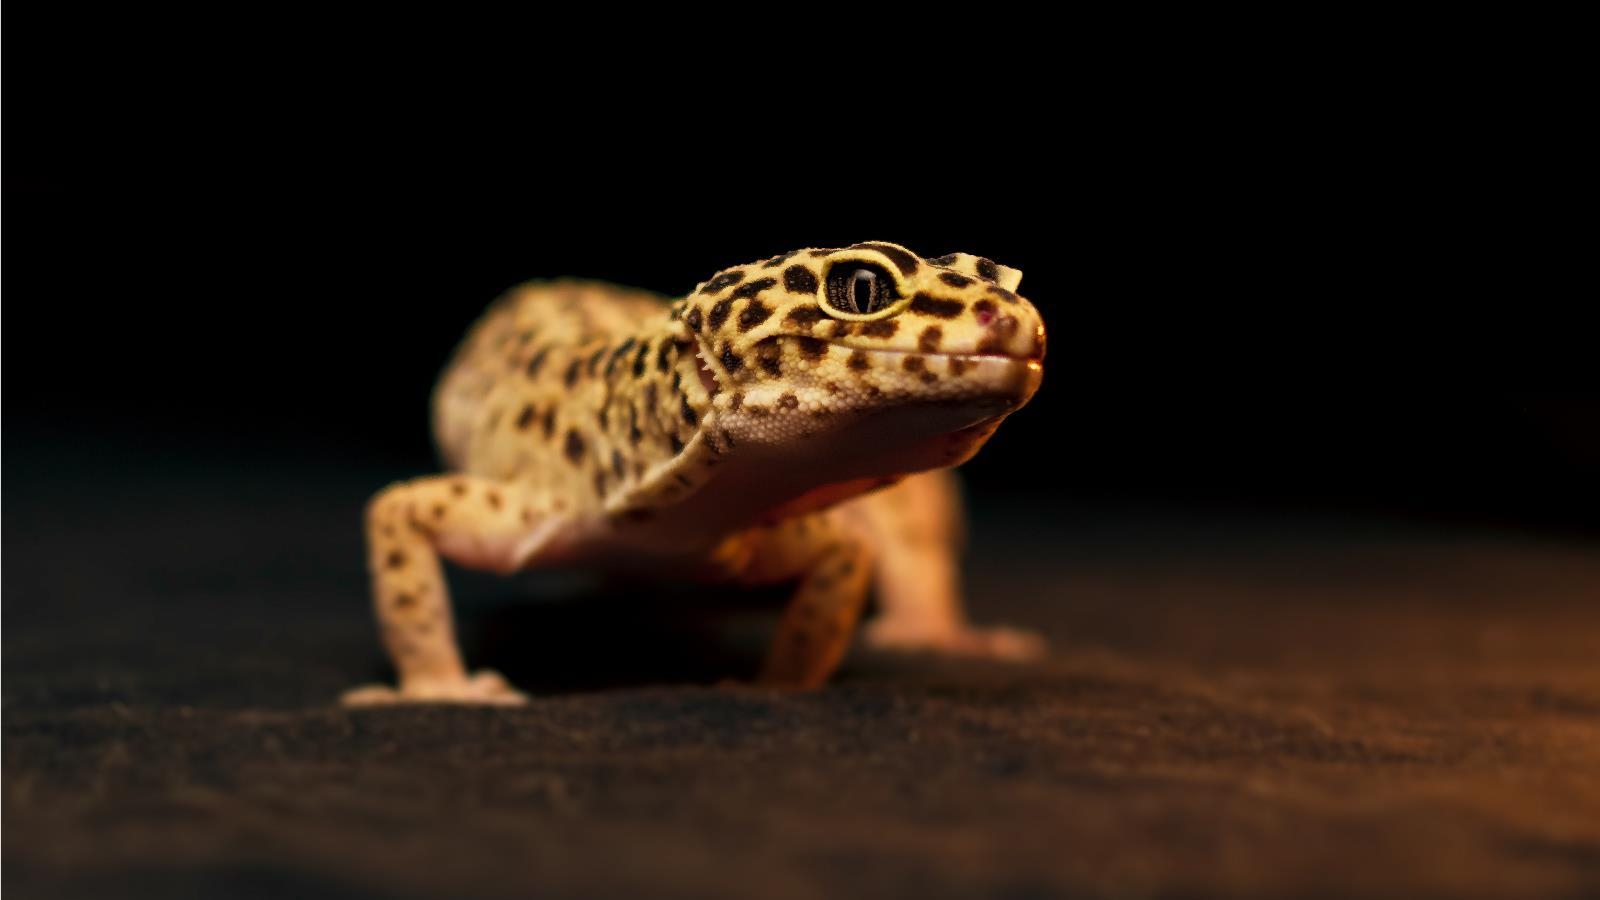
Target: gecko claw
x=998, y=642
x=484, y=687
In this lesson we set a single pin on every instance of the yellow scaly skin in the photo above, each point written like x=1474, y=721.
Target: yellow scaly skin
x=791, y=419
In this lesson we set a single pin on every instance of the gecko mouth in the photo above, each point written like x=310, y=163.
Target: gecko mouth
x=708, y=378
x=938, y=354
x=711, y=375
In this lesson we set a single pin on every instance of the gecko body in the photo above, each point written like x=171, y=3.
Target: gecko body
x=792, y=419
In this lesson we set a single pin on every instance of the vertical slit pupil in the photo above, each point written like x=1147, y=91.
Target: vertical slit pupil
x=859, y=289
x=863, y=289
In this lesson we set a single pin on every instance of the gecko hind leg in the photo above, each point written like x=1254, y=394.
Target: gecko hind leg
x=471, y=521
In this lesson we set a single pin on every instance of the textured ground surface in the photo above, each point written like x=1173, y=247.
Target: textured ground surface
x=1245, y=707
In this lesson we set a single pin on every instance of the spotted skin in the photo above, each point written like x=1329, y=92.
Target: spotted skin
x=751, y=432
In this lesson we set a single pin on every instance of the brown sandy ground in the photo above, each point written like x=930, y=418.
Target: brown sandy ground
x=1237, y=706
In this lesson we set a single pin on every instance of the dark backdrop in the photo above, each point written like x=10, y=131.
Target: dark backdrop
x=261, y=269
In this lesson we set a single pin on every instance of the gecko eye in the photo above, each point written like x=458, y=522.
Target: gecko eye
x=860, y=288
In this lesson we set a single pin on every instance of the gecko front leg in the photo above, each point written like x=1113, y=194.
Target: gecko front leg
x=916, y=528
x=471, y=521
x=834, y=567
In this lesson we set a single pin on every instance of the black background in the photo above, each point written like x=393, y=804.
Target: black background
x=263, y=256
x=1336, y=286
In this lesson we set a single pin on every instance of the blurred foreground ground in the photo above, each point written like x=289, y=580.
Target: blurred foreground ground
x=1237, y=705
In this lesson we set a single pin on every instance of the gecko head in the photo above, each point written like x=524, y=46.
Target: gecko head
x=866, y=359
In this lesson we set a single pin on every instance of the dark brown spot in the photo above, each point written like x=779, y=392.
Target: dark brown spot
x=818, y=254
x=754, y=287
x=639, y=361
x=527, y=516
x=1004, y=294
x=719, y=313
x=788, y=401
x=458, y=489
x=616, y=356
x=754, y=314
x=812, y=348
x=769, y=357
x=779, y=260
x=600, y=484
x=677, y=378
x=548, y=423
x=404, y=601
x=880, y=328
x=438, y=511
x=664, y=356
x=905, y=261
x=914, y=363
x=724, y=280
x=675, y=444
x=938, y=307
x=651, y=395
x=604, y=418
x=571, y=378
x=525, y=418
x=833, y=388
x=804, y=316
x=595, y=359
x=622, y=350
x=928, y=341
x=574, y=448
x=536, y=361
x=858, y=361
x=987, y=270
x=730, y=359
x=616, y=463
x=693, y=319
x=949, y=259
x=957, y=365
x=634, y=434
x=394, y=560
x=728, y=437
x=495, y=501
x=687, y=412
x=984, y=311
x=954, y=280
x=800, y=280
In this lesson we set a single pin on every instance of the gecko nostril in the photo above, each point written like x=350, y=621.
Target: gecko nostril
x=984, y=313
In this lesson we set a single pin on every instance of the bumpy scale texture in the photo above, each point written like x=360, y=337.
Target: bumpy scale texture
x=793, y=419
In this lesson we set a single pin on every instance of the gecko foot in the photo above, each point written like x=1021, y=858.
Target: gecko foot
x=482, y=687
x=999, y=642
